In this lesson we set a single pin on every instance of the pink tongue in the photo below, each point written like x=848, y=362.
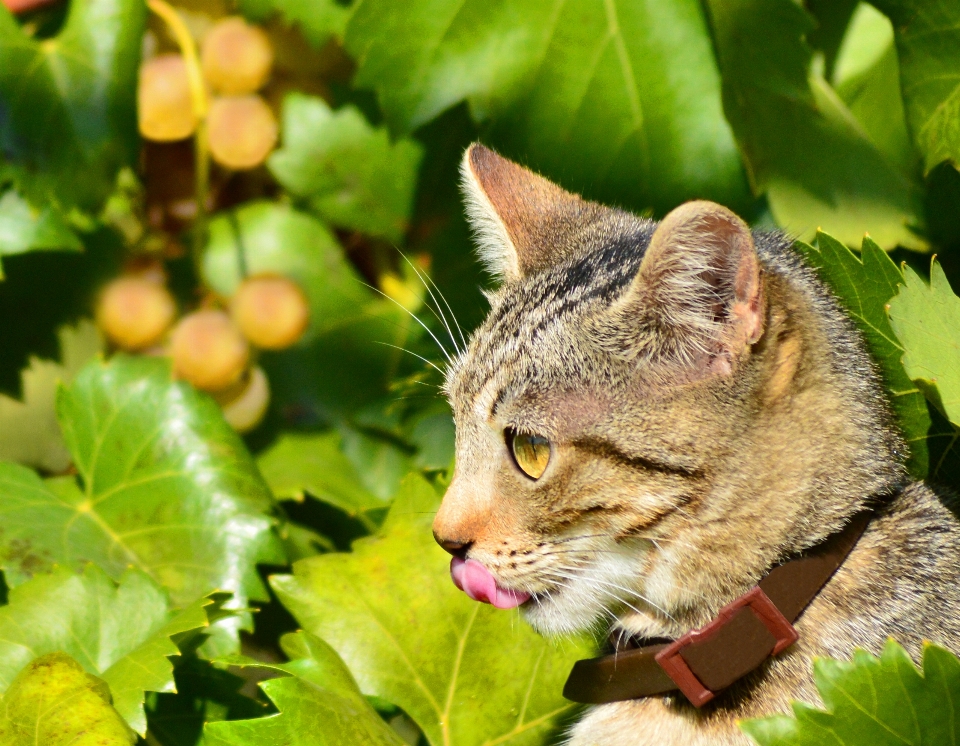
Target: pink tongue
x=476, y=581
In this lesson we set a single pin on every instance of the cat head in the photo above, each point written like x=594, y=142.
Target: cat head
x=652, y=414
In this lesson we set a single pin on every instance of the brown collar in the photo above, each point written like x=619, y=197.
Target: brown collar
x=743, y=635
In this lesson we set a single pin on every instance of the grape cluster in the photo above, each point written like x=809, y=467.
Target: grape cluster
x=235, y=59
x=209, y=347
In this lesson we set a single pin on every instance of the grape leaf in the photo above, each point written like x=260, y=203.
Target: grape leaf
x=266, y=237
x=802, y=146
x=299, y=463
x=29, y=431
x=69, y=105
x=165, y=485
x=54, y=702
x=618, y=100
x=319, y=703
x=317, y=19
x=119, y=631
x=349, y=172
x=926, y=319
x=389, y=609
x=867, y=78
x=23, y=228
x=873, y=701
x=928, y=42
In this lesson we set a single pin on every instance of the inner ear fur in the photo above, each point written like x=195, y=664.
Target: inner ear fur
x=696, y=302
x=523, y=222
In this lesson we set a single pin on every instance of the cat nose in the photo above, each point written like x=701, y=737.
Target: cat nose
x=456, y=548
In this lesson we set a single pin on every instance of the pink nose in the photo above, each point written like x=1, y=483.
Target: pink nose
x=475, y=580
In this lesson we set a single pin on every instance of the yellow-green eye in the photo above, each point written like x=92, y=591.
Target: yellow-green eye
x=530, y=452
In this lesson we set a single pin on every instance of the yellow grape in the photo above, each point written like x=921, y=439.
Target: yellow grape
x=245, y=411
x=208, y=350
x=236, y=57
x=272, y=312
x=134, y=312
x=164, y=106
x=242, y=131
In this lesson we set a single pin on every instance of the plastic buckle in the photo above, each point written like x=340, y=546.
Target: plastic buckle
x=765, y=610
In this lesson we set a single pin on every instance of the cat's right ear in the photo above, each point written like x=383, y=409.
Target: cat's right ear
x=696, y=302
x=522, y=222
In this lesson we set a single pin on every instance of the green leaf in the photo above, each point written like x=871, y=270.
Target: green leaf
x=619, y=100
x=24, y=229
x=120, y=632
x=864, y=286
x=873, y=701
x=69, y=105
x=29, y=431
x=867, y=78
x=317, y=19
x=928, y=42
x=803, y=147
x=165, y=485
x=926, y=319
x=54, y=702
x=349, y=172
x=410, y=637
x=266, y=237
x=319, y=703
x=297, y=464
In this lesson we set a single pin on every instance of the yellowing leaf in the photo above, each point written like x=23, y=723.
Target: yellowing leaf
x=54, y=702
x=120, y=632
x=465, y=672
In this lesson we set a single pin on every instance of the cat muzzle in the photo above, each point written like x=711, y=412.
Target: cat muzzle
x=743, y=635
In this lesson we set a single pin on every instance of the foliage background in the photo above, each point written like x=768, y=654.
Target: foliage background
x=137, y=531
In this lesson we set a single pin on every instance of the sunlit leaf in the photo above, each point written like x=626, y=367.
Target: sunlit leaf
x=802, y=146
x=350, y=173
x=319, y=703
x=928, y=44
x=69, y=112
x=317, y=19
x=926, y=319
x=873, y=701
x=374, y=606
x=23, y=228
x=164, y=485
x=54, y=702
x=120, y=632
x=619, y=100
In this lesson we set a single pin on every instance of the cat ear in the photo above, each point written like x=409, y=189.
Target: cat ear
x=696, y=302
x=523, y=222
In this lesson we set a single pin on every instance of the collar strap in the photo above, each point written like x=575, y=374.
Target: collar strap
x=746, y=632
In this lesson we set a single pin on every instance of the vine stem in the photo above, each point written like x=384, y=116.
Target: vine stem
x=201, y=106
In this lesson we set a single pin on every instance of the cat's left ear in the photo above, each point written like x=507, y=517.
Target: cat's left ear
x=696, y=302
x=523, y=223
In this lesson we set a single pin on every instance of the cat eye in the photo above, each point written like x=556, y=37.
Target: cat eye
x=531, y=453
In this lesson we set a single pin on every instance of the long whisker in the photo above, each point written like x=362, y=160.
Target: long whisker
x=620, y=588
x=410, y=352
x=437, y=303
x=412, y=316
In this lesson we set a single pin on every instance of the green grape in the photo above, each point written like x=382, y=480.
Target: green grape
x=236, y=57
x=134, y=312
x=208, y=350
x=271, y=312
x=164, y=105
x=242, y=131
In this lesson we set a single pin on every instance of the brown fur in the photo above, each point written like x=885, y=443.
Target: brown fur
x=712, y=412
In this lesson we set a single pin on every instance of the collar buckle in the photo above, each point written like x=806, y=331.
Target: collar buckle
x=677, y=665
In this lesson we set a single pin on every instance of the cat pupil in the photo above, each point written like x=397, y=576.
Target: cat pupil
x=531, y=453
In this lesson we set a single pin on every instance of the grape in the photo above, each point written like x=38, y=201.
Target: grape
x=245, y=411
x=164, y=106
x=236, y=57
x=272, y=312
x=134, y=312
x=242, y=131
x=208, y=350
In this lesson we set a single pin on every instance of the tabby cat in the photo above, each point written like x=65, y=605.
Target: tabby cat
x=650, y=418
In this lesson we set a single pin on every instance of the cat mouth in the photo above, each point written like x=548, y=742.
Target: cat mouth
x=475, y=580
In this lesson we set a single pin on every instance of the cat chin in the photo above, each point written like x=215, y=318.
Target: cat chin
x=588, y=597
